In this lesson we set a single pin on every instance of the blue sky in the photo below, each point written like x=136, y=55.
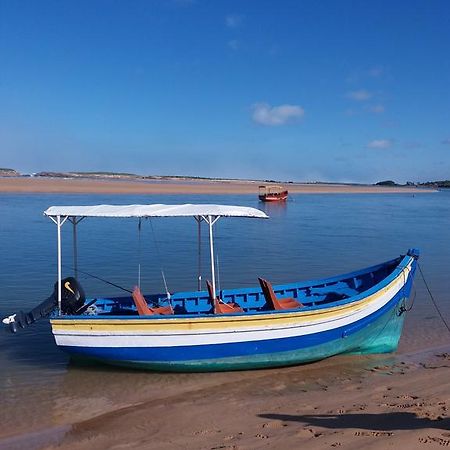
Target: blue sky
x=350, y=91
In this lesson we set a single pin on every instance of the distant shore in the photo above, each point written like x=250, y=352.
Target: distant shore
x=183, y=186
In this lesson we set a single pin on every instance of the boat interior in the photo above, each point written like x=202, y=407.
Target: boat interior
x=310, y=294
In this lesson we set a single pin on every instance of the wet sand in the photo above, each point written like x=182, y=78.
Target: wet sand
x=344, y=402
x=69, y=185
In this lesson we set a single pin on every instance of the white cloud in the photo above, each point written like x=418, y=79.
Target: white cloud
x=234, y=20
x=360, y=96
x=380, y=143
x=376, y=109
x=265, y=114
x=234, y=44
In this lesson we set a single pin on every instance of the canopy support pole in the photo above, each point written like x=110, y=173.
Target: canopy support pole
x=199, y=250
x=58, y=220
x=211, y=220
x=59, y=223
x=75, y=248
x=75, y=221
x=139, y=253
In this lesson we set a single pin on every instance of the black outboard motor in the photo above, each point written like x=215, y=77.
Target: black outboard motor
x=72, y=303
x=72, y=296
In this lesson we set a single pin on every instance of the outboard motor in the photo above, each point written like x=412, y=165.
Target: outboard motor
x=72, y=303
x=72, y=296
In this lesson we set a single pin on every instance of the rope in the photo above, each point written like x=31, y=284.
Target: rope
x=403, y=307
x=98, y=278
x=432, y=299
x=412, y=301
x=158, y=254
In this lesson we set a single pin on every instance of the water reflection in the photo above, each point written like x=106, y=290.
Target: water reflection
x=274, y=209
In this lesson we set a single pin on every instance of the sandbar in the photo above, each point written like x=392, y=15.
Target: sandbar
x=189, y=186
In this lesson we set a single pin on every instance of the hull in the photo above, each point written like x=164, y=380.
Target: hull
x=274, y=197
x=370, y=322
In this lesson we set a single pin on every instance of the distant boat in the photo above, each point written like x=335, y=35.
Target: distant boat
x=272, y=193
x=231, y=329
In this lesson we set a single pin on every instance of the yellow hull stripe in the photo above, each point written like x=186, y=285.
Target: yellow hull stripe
x=237, y=322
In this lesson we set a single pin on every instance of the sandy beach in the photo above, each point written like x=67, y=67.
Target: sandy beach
x=362, y=402
x=70, y=185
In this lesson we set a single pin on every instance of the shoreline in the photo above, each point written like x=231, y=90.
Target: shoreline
x=370, y=401
x=162, y=187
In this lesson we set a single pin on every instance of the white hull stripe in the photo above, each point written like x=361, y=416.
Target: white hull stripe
x=221, y=336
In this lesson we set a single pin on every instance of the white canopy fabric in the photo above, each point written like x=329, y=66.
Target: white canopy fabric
x=157, y=210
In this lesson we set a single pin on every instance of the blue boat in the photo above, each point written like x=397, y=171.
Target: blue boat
x=234, y=329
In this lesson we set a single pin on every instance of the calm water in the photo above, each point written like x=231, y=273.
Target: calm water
x=311, y=236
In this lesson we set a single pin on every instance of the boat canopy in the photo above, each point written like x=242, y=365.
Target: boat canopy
x=200, y=212
x=156, y=210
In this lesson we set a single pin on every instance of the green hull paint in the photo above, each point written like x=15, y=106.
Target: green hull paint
x=387, y=340
x=381, y=336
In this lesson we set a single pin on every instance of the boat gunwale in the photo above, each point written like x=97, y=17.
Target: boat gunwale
x=204, y=318
x=205, y=332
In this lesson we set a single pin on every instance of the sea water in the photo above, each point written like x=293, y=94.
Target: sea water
x=310, y=236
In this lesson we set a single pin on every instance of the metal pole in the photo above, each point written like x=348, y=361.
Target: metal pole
x=199, y=228
x=58, y=224
x=211, y=249
x=139, y=253
x=75, y=248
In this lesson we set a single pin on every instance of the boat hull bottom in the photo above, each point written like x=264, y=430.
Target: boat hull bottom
x=387, y=339
x=380, y=336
